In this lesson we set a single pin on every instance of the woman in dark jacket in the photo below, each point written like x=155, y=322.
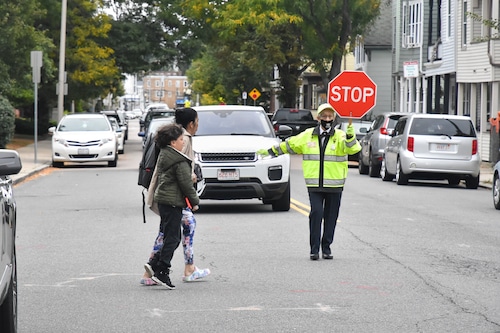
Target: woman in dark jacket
x=175, y=185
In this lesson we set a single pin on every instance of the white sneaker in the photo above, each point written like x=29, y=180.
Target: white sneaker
x=196, y=275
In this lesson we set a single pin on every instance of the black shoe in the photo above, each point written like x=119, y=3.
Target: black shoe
x=327, y=256
x=314, y=256
x=162, y=278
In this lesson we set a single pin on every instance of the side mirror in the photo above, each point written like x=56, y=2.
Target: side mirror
x=52, y=130
x=284, y=131
x=141, y=134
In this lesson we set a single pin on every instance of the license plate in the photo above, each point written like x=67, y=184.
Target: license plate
x=228, y=174
x=443, y=147
x=83, y=151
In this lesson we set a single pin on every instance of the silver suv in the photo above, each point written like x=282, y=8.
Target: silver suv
x=432, y=146
x=10, y=164
x=373, y=143
x=225, y=146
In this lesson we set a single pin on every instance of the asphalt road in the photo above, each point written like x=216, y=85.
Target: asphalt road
x=418, y=258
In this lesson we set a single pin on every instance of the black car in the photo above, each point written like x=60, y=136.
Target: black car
x=297, y=119
x=10, y=164
x=151, y=114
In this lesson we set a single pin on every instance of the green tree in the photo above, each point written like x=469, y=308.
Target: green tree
x=330, y=27
x=6, y=122
x=19, y=37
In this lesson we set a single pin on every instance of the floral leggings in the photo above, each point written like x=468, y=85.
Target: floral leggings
x=188, y=226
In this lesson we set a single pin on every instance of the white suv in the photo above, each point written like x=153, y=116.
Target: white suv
x=225, y=145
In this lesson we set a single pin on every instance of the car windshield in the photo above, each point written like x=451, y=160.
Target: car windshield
x=159, y=122
x=448, y=127
x=90, y=124
x=293, y=114
x=234, y=122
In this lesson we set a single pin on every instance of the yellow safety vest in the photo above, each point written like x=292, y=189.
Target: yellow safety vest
x=329, y=170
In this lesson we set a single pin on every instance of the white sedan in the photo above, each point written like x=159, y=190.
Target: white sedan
x=84, y=137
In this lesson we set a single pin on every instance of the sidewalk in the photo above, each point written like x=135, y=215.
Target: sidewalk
x=44, y=160
x=27, y=154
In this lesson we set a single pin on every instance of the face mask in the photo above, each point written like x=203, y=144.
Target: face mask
x=326, y=124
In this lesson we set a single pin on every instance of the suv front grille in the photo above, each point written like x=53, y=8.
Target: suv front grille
x=228, y=157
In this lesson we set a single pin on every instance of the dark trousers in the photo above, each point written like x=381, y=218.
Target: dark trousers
x=324, y=208
x=170, y=225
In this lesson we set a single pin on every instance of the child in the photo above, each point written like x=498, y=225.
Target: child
x=174, y=186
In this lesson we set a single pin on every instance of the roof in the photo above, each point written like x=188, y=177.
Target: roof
x=380, y=33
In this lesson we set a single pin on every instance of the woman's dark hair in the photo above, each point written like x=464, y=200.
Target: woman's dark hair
x=168, y=133
x=184, y=116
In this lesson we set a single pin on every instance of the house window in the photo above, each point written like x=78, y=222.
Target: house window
x=177, y=84
x=448, y=17
x=359, y=52
x=185, y=84
x=169, y=94
x=169, y=83
x=412, y=23
x=159, y=93
x=464, y=23
x=148, y=83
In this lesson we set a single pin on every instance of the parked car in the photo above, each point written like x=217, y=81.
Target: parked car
x=84, y=137
x=120, y=138
x=432, y=146
x=361, y=128
x=225, y=145
x=496, y=185
x=374, y=142
x=153, y=127
x=120, y=116
x=10, y=164
x=297, y=119
x=154, y=113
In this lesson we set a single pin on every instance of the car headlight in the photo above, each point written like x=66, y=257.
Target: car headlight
x=60, y=141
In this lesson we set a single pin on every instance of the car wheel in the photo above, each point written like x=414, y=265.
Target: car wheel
x=8, y=309
x=401, y=177
x=362, y=168
x=283, y=203
x=453, y=180
x=373, y=170
x=383, y=172
x=57, y=164
x=114, y=162
x=472, y=182
x=496, y=191
x=121, y=151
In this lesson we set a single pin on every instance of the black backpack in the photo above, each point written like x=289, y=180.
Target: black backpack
x=146, y=168
x=148, y=162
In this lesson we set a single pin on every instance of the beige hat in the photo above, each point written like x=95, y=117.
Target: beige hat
x=325, y=106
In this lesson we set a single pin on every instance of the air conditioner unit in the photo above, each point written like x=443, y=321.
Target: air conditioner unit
x=409, y=41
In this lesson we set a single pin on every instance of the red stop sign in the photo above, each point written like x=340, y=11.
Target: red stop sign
x=352, y=94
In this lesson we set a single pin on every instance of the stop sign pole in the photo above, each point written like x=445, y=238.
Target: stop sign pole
x=352, y=94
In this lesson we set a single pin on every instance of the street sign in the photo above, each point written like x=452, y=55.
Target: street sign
x=410, y=68
x=254, y=94
x=352, y=94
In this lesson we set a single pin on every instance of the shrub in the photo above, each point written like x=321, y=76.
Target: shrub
x=7, y=124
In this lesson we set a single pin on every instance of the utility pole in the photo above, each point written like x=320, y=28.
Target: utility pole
x=62, y=58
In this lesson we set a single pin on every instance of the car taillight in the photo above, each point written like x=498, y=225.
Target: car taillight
x=474, y=147
x=383, y=130
x=276, y=127
x=411, y=143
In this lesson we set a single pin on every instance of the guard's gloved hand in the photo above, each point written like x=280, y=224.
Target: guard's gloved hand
x=350, y=132
x=263, y=152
